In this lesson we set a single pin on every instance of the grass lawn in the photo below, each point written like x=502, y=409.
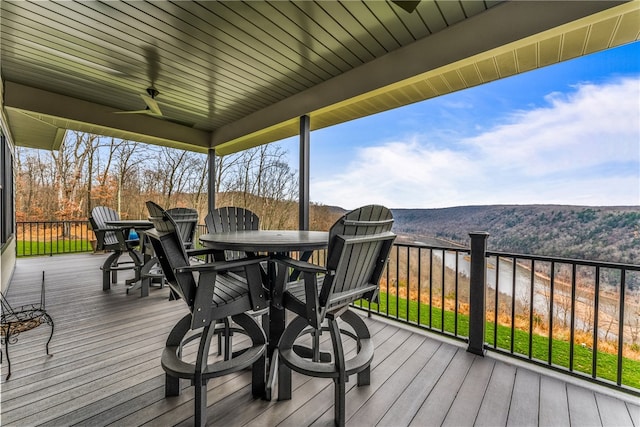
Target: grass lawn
x=433, y=317
x=27, y=248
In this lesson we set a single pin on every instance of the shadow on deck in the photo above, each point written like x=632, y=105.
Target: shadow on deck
x=105, y=370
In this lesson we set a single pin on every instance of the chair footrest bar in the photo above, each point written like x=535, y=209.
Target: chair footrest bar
x=322, y=369
x=180, y=369
x=120, y=267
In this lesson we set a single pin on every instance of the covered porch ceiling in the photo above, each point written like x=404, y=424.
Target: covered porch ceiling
x=236, y=74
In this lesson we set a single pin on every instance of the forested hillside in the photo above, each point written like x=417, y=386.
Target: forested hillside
x=594, y=233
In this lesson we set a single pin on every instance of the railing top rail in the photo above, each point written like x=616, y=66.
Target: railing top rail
x=561, y=260
x=589, y=263
x=53, y=221
x=428, y=246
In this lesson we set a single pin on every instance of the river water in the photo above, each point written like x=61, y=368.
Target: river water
x=521, y=287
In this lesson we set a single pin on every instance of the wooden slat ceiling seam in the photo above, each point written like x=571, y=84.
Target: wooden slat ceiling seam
x=241, y=71
x=521, y=57
x=77, y=20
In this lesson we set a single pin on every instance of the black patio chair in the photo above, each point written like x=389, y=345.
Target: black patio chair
x=116, y=240
x=22, y=319
x=225, y=219
x=230, y=218
x=212, y=293
x=358, y=249
x=186, y=220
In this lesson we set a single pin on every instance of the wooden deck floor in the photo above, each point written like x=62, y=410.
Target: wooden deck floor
x=105, y=370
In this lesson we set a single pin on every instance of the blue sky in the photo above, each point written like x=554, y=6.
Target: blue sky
x=564, y=134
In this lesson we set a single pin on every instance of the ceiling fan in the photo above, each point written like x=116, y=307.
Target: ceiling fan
x=152, y=109
x=152, y=59
x=409, y=6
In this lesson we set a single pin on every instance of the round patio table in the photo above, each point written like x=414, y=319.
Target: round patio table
x=272, y=242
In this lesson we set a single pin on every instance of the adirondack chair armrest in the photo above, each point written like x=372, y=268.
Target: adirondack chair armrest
x=310, y=272
x=200, y=251
x=300, y=265
x=222, y=265
x=113, y=228
x=124, y=229
x=210, y=254
x=121, y=234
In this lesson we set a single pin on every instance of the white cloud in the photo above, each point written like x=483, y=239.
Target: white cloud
x=582, y=148
x=394, y=172
x=594, y=125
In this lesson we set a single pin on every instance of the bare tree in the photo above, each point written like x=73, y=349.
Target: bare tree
x=34, y=181
x=126, y=162
x=104, y=192
x=92, y=148
x=632, y=318
x=609, y=313
x=200, y=180
x=224, y=167
x=69, y=164
x=90, y=170
x=261, y=180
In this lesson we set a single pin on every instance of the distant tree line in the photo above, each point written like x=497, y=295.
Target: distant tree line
x=90, y=170
x=594, y=233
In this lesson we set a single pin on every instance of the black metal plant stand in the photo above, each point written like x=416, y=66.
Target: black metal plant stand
x=21, y=319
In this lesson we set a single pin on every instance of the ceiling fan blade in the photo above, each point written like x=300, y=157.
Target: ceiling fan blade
x=133, y=112
x=409, y=6
x=158, y=116
x=153, y=63
x=154, y=108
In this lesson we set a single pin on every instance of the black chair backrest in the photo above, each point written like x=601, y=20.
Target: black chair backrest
x=359, y=246
x=186, y=219
x=168, y=246
x=230, y=218
x=98, y=218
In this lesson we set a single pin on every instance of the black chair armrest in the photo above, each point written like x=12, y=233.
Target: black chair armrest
x=304, y=266
x=200, y=251
x=103, y=229
x=114, y=228
x=310, y=272
x=222, y=265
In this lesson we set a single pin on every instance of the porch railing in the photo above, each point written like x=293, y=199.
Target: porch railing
x=52, y=237
x=576, y=316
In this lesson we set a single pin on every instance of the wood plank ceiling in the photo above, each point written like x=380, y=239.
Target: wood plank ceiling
x=235, y=74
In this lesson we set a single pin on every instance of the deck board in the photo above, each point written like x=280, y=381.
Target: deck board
x=525, y=398
x=377, y=405
x=554, y=409
x=386, y=370
x=105, y=370
x=441, y=398
x=496, y=401
x=467, y=403
x=583, y=409
x=613, y=412
x=407, y=405
x=315, y=408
